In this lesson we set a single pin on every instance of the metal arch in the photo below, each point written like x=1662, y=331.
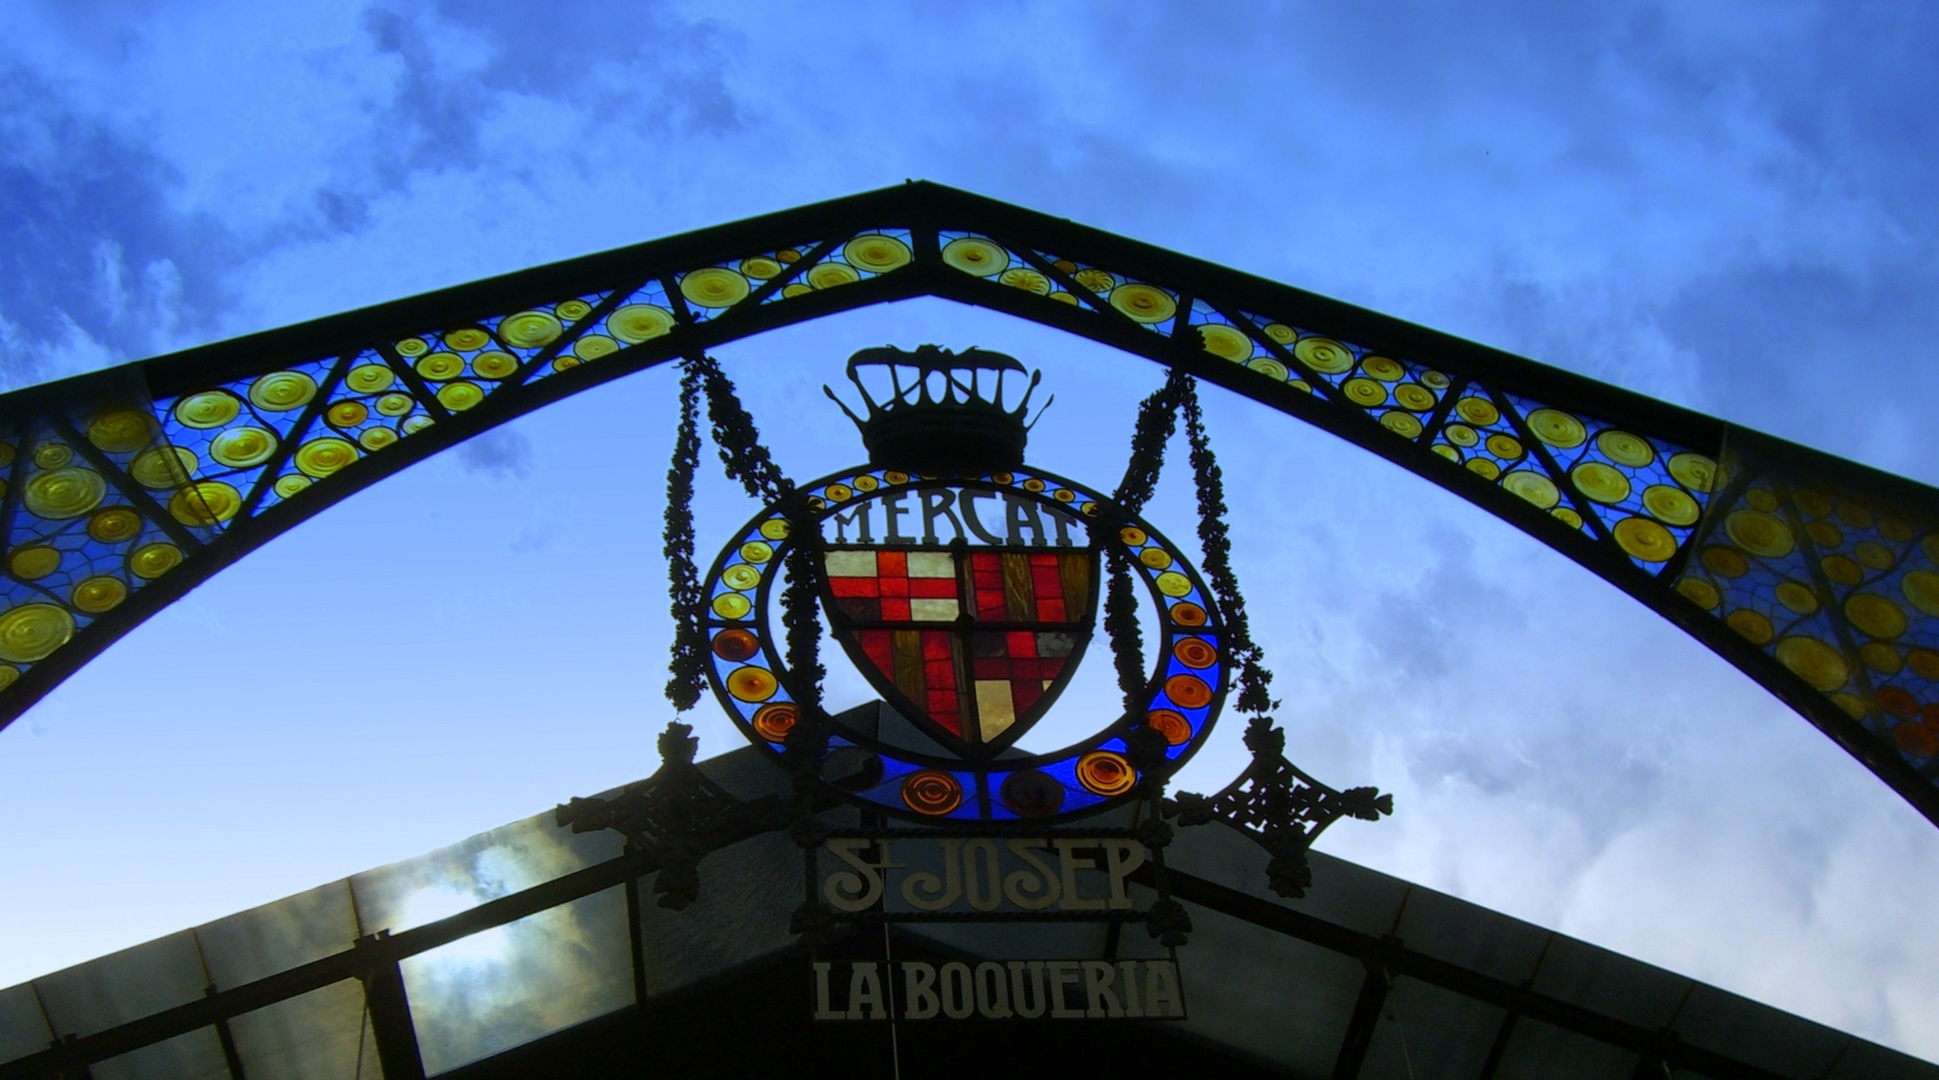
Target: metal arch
x=1776, y=516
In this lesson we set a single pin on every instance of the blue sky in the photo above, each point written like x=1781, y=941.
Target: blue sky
x=1725, y=206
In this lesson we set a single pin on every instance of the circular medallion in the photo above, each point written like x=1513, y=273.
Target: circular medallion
x=966, y=603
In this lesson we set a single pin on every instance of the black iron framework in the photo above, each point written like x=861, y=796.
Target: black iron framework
x=1816, y=576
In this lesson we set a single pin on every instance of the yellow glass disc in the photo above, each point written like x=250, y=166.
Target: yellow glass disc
x=60, y=494
x=1700, y=592
x=752, y=684
x=209, y=409
x=837, y=493
x=1324, y=355
x=1483, y=468
x=31, y=632
x=1155, y=557
x=1030, y=281
x=1477, y=411
x=122, y=431
x=6, y=454
x=281, y=391
x=319, y=458
x=714, y=287
x=1814, y=661
x=635, y=323
x=1761, y=499
x=287, y=486
x=207, y=503
x=1812, y=503
x=1725, y=562
x=467, y=339
x=1693, y=471
x=755, y=551
x=162, y=467
x=1626, y=449
x=1842, y=570
x=982, y=258
x=732, y=605
x=1670, y=504
x=1448, y=452
x=369, y=378
x=594, y=347
x=1461, y=435
x=1131, y=535
x=1144, y=303
x=1568, y=516
x=240, y=448
x=775, y=528
x=1105, y=773
x=52, y=455
x=410, y=347
x=35, y=562
x=530, y=329
x=351, y=413
x=1557, y=428
x=760, y=267
x=1600, y=482
x=1645, y=539
x=99, y=594
x=1173, y=583
x=1379, y=367
x=1894, y=528
x=1366, y=392
x=440, y=366
x=1798, y=597
x=793, y=289
x=114, y=525
x=1270, y=368
x=1505, y=447
x=494, y=364
x=1880, y=658
x=741, y=576
x=1406, y=425
x=1921, y=589
x=831, y=275
x=1435, y=379
x=572, y=309
x=1414, y=396
x=876, y=253
x=151, y=561
x=1281, y=333
x=1855, y=515
x=459, y=396
x=1824, y=534
x=1532, y=486
x=1875, y=615
x=1759, y=533
x=865, y=482
x=1754, y=627
x=1874, y=554
x=1225, y=342
x=376, y=438
x=395, y=404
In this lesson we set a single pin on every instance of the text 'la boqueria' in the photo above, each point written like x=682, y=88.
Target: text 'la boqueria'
x=1000, y=990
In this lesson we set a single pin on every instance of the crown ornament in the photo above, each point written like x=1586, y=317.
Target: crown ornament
x=944, y=412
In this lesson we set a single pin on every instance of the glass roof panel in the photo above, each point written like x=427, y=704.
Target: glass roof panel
x=23, y=1029
x=1427, y=1033
x=123, y=986
x=732, y=924
x=509, y=985
x=276, y=937
x=322, y=1035
x=1537, y=1050
x=194, y=1056
x=1440, y=925
x=1758, y=1034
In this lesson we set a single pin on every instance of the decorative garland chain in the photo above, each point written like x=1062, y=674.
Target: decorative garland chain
x=1255, y=682
x=746, y=460
x=688, y=666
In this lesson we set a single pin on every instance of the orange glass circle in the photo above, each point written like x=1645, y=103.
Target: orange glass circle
x=773, y=722
x=1188, y=691
x=932, y=792
x=1105, y=773
x=736, y=645
x=1171, y=724
x=1195, y=652
x=1188, y=614
x=752, y=684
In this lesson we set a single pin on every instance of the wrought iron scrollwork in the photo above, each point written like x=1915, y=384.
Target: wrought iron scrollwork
x=677, y=813
x=1280, y=807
